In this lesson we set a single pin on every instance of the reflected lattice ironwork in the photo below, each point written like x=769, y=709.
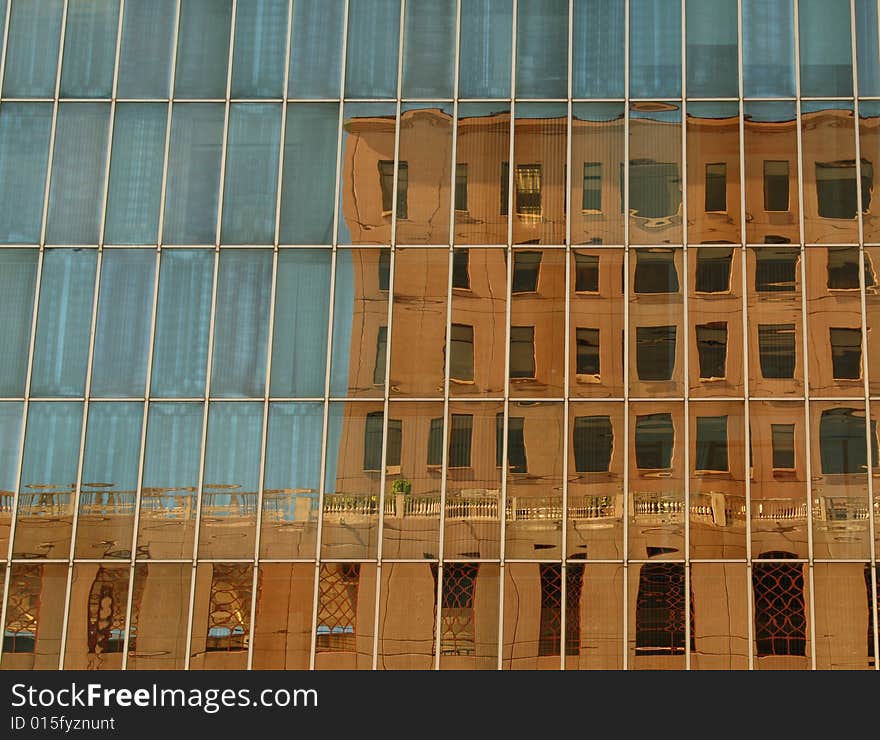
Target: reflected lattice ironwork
x=551, y=608
x=780, y=615
x=23, y=609
x=660, y=610
x=337, y=607
x=229, y=615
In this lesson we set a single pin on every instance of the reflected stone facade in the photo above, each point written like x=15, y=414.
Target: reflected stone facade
x=370, y=334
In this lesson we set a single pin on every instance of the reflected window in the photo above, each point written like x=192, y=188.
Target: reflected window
x=381, y=355
x=712, y=349
x=384, y=268
x=528, y=189
x=660, y=610
x=337, y=607
x=461, y=353
x=516, y=443
x=872, y=612
x=593, y=441
x=230, y=607
x=842, y=443
x=505, y=188
x=836, y=188
x=522, y=351
x=549, y=642
x=591, y=200
x=526, y=269
x=655, y=352
x=461, y=187
x=435, y=442
x=373, y=423
x=780, y=614
x=846, y=353
x=386, y=182
x=460, y=435
x=654, y=189
x=457, y=607
x=843, y=269
x=588, y=352
x=776, y=269
x=712, y=444
x=776, y=180
x=776, y=350
x=586, y=273
x=23, y=609
x=782, y=442
x=655, y=437
x=716, y=186
x=107, y=606
x=713, y=270
x=461, y=272
x=655, y=271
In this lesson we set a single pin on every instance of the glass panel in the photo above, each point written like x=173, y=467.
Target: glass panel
x=160, y=605
x=346, y=613
x=598, y=49
x=135, y=191
x=533, y=638
x=48, y=480
x=251, y=173
x=542, y=49
x=221, y=616
x=64, y=320
x=485, y=44
x=655, y=49
x=406, y=613
x=90, y=32
x=24, y=153
x=720, y=593
x=316, y=49
x=373, y=43
x=429, y=48
x=202, y=48
x=283, y=624
x=193, y=173
x=659, y=605
x=18, y=278
x=109, y=481
x=655, y=173
x=768, y=48
x=309, y=178
x=96, y=617
x=260, y=43
x=231, y=482
x=469, y=604
x=841, y=611
x=241, y=323
x=292, y=482
x=869, y=141
x=593, y=598
x=145, y=58
x=33, y=27
x=781, y=602
x=711, y=49
x=10, y=448
x=122, y=333
x=35, y=605
x=170, y=480
x=302, y=303
x=826, y=48
x=713, y=173
x=867, y=47
x=76, y=198
x=183, y=319
x=872, y=315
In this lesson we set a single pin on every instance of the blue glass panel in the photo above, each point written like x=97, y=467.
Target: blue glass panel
x=78, y=167
x=32, y=48
x=183, y=323
x=241, y=324
x=429, y=48
x=293, y=447
x=203, y=48
x=712, y=61
x=260, y=42
x=25, y=129
x=18, y=276
x=145, y=58
x=302, y=303
x=309, y=175
x=174, y=443
x=484, y=54
x=51, y=444
x=542, y=49
x=826, y=48
x=113, y=445
x=232, y=457
x=251, y=173
x=343, y=314
x=89, y=48
x=193, y=173
x=64, y=320
x=10, y=444
x=373, y=42
x=655, y=48
x=768, y=48
x=122, y=333
x=316, y=48
x=136, y=173
x=867, y=47
x=598, y=49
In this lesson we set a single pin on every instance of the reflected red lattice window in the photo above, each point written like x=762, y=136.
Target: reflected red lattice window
x=872, y=613
x=660, y=610
x=337, y=607
x=457, y=608
x=229, y=616
x=551, y=608
x=108, y=601
x=780, y=615
x=23, y=609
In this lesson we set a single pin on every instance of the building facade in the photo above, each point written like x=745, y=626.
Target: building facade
x=422, y=334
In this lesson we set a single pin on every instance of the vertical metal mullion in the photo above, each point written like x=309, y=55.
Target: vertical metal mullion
x=329, y=353
x=804, y=331
x=869, y=435
x=3, y=54
x=626, y=340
